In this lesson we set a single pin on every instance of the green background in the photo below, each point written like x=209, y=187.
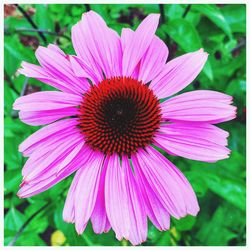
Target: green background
x=220, y=187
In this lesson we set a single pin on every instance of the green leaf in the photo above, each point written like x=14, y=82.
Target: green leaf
x=226, y=69
x=221, y=180
x=156, y=237
x=9, y=97
x=12, y=56
x=13, y=221
x=12, y=179
x=214, y=14
x=178, y=29
x=231, y=190
x=68, y=229
x=174, y=11
x=30, y=238
x=198, y=184
x=13, y=160
x=218, y=229
x=14, y=53
x=164, y=239
x=235, y=15
x=185, y=224
x=42, y=18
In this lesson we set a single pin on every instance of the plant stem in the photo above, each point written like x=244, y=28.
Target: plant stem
x=33, y=216
x=26, y=15
x=39, y=30
x=10, y=83
x=12, y=243
x=239, y=45
x=161, y=7
x=25, y=84
x=87, y=7
x=186, y=11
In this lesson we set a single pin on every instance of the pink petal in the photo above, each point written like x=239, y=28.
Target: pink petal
x=59, y=67
x=46, y=177
x=49, y=143
x=153, y=61
x=202, y=142
x=43, y=117
x=45, y=157
x=99, y=217
x=97, y=45
x=137, y=214
x=68, y=210
x=86, y=190
x=34, y=71
x=178, y=73
x=126, y=36
x=137, y=46
x=172, y=189
x=82, y=69
x=156, y=212
x=116, y=198
x=46, y=100
x=56, y=49
x=69, y=158
x=46, y=135
x=200, y=105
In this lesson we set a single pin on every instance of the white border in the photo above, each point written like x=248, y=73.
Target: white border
x=107, y=2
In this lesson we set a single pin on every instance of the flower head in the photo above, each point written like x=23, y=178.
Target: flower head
x=108, y=119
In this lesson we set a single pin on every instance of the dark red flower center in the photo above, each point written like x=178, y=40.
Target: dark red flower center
x=119, y=115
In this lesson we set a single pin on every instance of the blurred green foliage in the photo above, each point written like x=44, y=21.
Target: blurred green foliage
x=220, y=187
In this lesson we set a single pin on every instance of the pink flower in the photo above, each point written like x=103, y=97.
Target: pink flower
x=110, y=118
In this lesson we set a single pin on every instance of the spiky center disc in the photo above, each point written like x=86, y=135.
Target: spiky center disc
x=119, y=115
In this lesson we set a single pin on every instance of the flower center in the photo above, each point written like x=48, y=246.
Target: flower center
x=119, y=115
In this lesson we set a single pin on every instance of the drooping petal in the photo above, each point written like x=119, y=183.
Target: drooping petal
x=39, y=149
x=156, y=212
x=137, y=214
x=153, y=60
x=98, y=45
x=170, y=186
x=199, y=106
x=138, y=45
x=46, y=135
x=48, y=156
x=116, y=198
x=86, y=190
x=46, y=100
x=68, y=210
x=48, y=176
x=69, y=207
x=202, y=142
x=178, y=73
x=99, y=217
